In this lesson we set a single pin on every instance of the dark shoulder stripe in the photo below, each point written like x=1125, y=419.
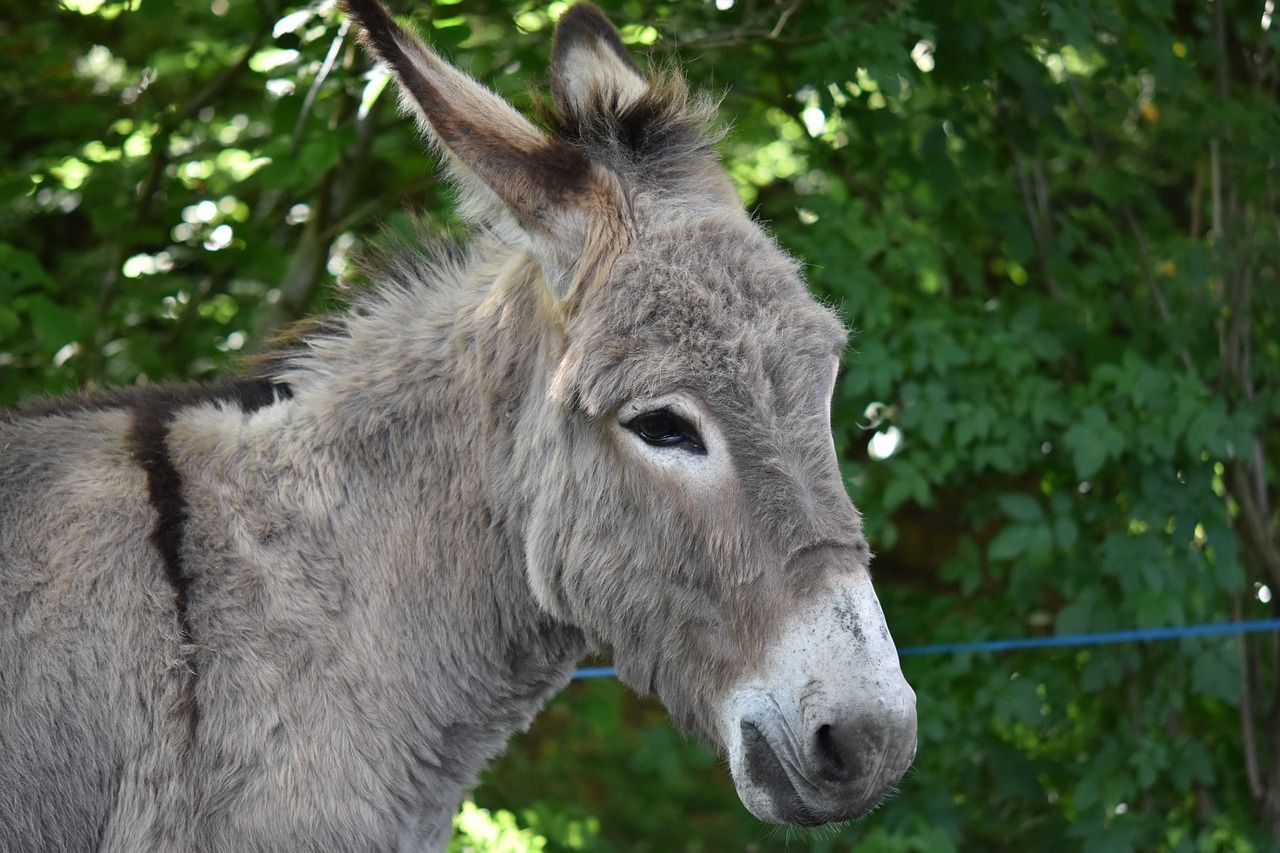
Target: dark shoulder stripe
x=147, y=439
x=153, y=415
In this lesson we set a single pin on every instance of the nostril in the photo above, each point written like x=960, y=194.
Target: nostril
x=831, y=762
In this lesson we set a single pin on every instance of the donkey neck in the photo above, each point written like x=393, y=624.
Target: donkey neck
x=378, y=548
x=439, y=375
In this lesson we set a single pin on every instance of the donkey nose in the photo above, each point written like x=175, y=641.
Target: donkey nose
x=860, y=747
x=835, y=759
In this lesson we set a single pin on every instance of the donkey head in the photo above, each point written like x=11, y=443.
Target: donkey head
x=680, y=500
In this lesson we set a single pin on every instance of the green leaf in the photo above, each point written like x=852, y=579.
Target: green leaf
x=1077, y=617
x=1039, y=548
x=1020, y=507
x=1216, y=672
x=378, y=79
x=20, y=270
x=1065, y=532
x=1086, y=794
x=1093, y=440
x=9, y=322
x=53, y=324
x=1102, y=672
x=1009, y=543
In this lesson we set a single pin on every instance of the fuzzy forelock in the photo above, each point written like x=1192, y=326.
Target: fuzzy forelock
x=665, y=127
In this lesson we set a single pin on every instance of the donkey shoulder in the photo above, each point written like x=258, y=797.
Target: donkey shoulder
x=70, y=466
x=69, y=506
x=89, y=632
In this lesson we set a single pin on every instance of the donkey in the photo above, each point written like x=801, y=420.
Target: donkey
x=299, y=610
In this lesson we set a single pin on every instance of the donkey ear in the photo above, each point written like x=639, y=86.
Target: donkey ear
x=528, y=170
x=589, y=61
x=559, y=199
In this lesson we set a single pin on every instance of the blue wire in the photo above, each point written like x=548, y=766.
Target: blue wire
x=1104, y=638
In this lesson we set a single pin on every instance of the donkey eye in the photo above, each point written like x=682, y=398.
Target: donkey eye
x=664, y=428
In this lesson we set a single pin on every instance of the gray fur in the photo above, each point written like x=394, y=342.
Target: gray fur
x=389, y=569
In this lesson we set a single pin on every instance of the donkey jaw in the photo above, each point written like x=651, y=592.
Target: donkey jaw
x=828, y=730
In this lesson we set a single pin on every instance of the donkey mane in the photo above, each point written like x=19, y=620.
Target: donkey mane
x=249, y=392
x=419, y=264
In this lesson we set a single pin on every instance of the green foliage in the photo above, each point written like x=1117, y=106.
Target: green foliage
x=477, y=829
x=1053, y=227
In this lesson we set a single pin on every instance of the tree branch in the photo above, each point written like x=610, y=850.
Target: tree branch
x=1247, y=719
x=1039, y=228
x=146, y=192
x=330, y=203
x=783, y=18
x=1135, y=229
x=325, y=68
x=370, y=208
x=1256, y=525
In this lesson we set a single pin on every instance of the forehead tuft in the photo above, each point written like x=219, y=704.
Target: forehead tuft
x=724, y=272
x=701, y=304
x=663, y=133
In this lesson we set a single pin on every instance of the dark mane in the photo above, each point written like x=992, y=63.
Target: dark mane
x=250, y=393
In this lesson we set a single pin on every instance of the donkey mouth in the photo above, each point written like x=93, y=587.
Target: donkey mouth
x=766, y=770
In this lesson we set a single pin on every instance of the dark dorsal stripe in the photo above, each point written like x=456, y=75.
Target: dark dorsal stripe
x=249, y=393
x=153, y=409
x=153, y=413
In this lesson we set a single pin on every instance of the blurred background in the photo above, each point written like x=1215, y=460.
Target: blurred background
x=1052, y=225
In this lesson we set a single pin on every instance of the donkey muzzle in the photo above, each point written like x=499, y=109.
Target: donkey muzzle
x=836, y=772
x=828, y=730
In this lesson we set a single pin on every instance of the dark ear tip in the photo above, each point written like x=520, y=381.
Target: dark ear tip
x=369, y=14
x=584, y=22
x=378, y=30
x=361, y=8
x=582, y=9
